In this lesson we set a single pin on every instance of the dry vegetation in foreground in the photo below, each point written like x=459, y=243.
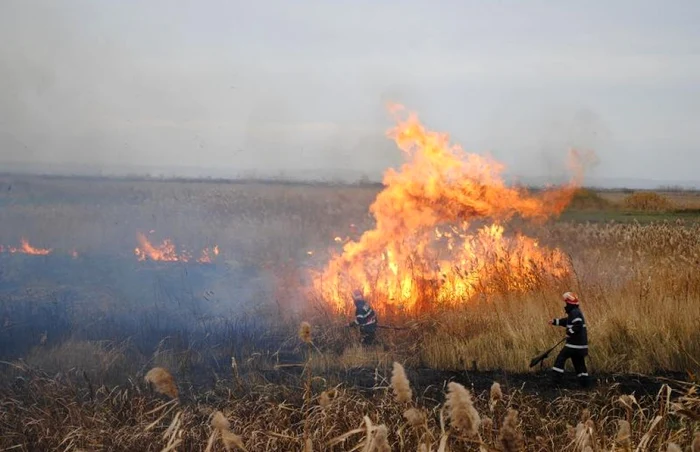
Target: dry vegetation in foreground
x=638, y=284
x=44, y=413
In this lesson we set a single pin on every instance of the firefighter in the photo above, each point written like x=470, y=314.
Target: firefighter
x=576, y=346
x=365, y=318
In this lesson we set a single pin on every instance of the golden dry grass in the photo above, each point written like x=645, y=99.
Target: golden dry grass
x=647, y=202
x=678, y=199
x=45, y=413
x=636, y=281
x=638, y=284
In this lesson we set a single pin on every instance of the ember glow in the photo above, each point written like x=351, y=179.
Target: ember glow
x=440, y=234
x=167, y=252
x=25, y=248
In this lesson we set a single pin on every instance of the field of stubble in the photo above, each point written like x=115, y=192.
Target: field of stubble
x=83, y=325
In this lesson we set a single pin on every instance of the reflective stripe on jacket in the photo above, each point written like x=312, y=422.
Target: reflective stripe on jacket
x=575, y=324
x=365, y=315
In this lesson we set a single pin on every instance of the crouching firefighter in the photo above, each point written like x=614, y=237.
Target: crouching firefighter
x=576, y=346
x=365, y=318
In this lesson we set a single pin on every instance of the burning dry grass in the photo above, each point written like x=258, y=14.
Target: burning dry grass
x=48, y=413
x=637, y=282
x=441, y=225
x=639, y=293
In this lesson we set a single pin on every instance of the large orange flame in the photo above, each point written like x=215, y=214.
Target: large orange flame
x=440, y=230
x=167, y=252
x=26, y=248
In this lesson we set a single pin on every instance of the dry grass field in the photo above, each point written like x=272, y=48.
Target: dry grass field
x=76, y=348
x=165, y=315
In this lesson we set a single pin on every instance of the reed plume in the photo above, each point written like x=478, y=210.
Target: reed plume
x=219, y=421
x=222, y=426
x=487, y=426
x=623, y=439
x=380, y=440
x=400, y=384
x=510, y=438
x=162, y=381
x=305, y=332
x=308, y=446
x=414, y=417
x=461, y=412
x=326, y=397
x=673, y=447
x=495, y=395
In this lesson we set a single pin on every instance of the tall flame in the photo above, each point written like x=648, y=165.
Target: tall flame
x=440, y=236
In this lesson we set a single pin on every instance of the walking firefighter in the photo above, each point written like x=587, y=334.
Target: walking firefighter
x=365, y=318
x=576, y=346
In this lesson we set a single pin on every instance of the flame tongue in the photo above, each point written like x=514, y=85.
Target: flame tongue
x=164, y=252
x=167, y=252
x=26, y=248
x=424, y=243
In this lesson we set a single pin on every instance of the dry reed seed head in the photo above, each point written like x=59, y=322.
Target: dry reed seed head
x=624, y=435
x=584, y=433
x=231, y=440
x=510, y=438
x=305, y=332
x=587, y=449
x=414, y=417
x=422, y=447
x=219, y=421
x=496, y=393
x=400, y=384
x=673, y=447
x=162, y=381
x=308, y=446
x=380, y=440
x=580, y=433
x=461, y=412
x=585, y=415
x=628, y=400
x=487, y=424
x=326, y=398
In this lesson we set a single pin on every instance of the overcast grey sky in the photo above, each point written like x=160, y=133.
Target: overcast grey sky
x=272, y=85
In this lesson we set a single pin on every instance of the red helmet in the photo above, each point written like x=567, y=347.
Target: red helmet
x=570, y=298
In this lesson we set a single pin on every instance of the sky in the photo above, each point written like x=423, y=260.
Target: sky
x=231, y=87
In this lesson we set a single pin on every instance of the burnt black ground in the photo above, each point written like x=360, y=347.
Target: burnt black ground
x=431, y=384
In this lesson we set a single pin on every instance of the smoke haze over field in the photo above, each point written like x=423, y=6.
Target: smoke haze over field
x=223, y=88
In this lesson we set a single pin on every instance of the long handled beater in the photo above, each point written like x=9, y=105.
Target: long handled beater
x=539, y=358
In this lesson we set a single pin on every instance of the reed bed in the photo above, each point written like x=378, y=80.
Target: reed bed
x=41, y=412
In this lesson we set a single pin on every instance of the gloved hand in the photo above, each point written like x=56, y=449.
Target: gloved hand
x=351, y=324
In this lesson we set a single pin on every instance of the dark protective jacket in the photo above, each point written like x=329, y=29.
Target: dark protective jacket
x=365, y=315
x=575, y=324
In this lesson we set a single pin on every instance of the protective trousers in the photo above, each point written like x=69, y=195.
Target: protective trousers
x=578, y=359
x=367, y=333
